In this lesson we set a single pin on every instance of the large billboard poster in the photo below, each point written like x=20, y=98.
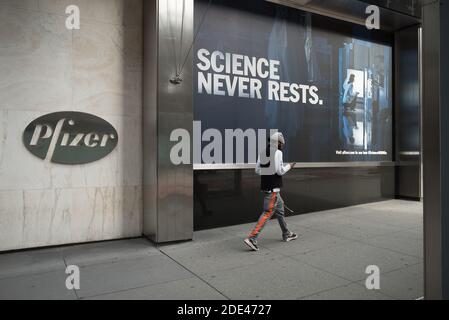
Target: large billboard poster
x=325, y=85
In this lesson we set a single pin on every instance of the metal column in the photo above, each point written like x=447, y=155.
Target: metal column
x=436, y=147
x=168, y=189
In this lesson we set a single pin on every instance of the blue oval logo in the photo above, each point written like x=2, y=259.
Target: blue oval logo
x=70, y=138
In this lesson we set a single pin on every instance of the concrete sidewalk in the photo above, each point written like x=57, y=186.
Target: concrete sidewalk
x=327, y=262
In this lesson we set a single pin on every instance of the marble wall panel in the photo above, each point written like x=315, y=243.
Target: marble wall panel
x=35, y=61
x=47, y=217
x=46, y=68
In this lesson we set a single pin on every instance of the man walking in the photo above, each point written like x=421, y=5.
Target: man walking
x=271, y=168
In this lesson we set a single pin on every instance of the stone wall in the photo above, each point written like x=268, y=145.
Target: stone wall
x=45, y=68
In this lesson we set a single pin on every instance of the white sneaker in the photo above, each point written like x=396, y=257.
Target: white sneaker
x=290, y=237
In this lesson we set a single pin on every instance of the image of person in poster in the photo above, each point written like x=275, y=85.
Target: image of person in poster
x=349, y=113
x=378, y=85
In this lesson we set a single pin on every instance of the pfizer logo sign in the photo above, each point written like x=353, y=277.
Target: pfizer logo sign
x=70, y=138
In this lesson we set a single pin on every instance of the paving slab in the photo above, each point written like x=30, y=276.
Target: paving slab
x=200, y=238
x=405, y=220
x=30, y=262
x=308, y=241
x=394, y=205
x=404, y=284
x=222, y=255
x=403, y=241
x=129, y=274
x=94, y=253
x=316, y=218
x=350, y=260
x=283, y=278
x=352, y=216
x=43, y=286
x=185, y=289
x=355, y=229
x=415, y=233
x=353, y=291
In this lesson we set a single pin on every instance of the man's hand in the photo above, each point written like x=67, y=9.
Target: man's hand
x=292, y=165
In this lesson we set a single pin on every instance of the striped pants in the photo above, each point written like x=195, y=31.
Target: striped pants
x=272, y=204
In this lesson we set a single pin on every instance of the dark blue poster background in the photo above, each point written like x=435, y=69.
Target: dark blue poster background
x=312, y=50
